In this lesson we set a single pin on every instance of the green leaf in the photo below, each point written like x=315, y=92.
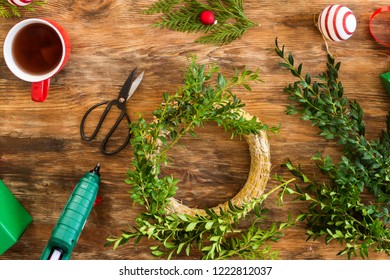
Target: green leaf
x=191, y=226
x=301, y=217
x=188, y=249
x=291, y=59
x=283, y=226
x=247, y=87
x=215, y=238
x=182, y=217
x=157, y=253
x=209, y=225
x=221, y=80
x=166, y=96
x=180, y=247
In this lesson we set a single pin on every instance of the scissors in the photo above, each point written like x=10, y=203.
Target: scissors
x=126, y=92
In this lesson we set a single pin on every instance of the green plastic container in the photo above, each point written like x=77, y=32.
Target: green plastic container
x=385, y=79
x=14, y=219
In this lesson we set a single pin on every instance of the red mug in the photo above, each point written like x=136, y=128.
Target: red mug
x=35, y=50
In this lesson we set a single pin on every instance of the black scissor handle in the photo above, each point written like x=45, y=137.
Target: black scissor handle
x=98, y=126
x=105, y=140
x=89, y=138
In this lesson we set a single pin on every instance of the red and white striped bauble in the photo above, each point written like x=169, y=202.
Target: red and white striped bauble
x=20, y=2
x=337, y=23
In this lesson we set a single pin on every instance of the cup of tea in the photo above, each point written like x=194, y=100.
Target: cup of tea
x=35, y=50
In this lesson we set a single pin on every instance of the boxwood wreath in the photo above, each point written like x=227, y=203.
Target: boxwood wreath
x=215, y=233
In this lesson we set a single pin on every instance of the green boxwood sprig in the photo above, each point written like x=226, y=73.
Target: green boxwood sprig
x=337, y=210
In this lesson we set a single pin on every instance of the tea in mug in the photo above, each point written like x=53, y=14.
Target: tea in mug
x=37, y=49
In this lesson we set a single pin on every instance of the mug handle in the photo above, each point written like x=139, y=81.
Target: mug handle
x=40, y=90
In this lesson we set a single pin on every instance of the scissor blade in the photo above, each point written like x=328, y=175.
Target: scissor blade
x=127, y=85
x=135, y=85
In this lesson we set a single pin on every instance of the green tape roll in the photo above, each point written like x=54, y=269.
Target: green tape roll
x=14, y=219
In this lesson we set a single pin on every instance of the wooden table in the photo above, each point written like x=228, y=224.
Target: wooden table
x=42, y=155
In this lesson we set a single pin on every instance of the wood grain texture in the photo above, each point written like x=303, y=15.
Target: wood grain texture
x=42, y=155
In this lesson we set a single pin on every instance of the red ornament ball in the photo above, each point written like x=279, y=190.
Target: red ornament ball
x=207, y=17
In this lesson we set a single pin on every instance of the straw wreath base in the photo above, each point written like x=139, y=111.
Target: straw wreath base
x=260, y=167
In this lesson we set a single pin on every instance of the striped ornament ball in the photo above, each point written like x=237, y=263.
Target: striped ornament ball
x=19, y=3
x=337, y=23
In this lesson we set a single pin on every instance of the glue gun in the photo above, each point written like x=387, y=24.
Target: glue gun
x=73, y=217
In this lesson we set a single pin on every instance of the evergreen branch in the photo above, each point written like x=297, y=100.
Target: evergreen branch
x=224, y=34
x=182, y=21
x=8, y=10
x=3, y=11
x=183, y=16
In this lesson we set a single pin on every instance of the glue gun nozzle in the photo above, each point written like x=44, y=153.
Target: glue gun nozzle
x=96, y=170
